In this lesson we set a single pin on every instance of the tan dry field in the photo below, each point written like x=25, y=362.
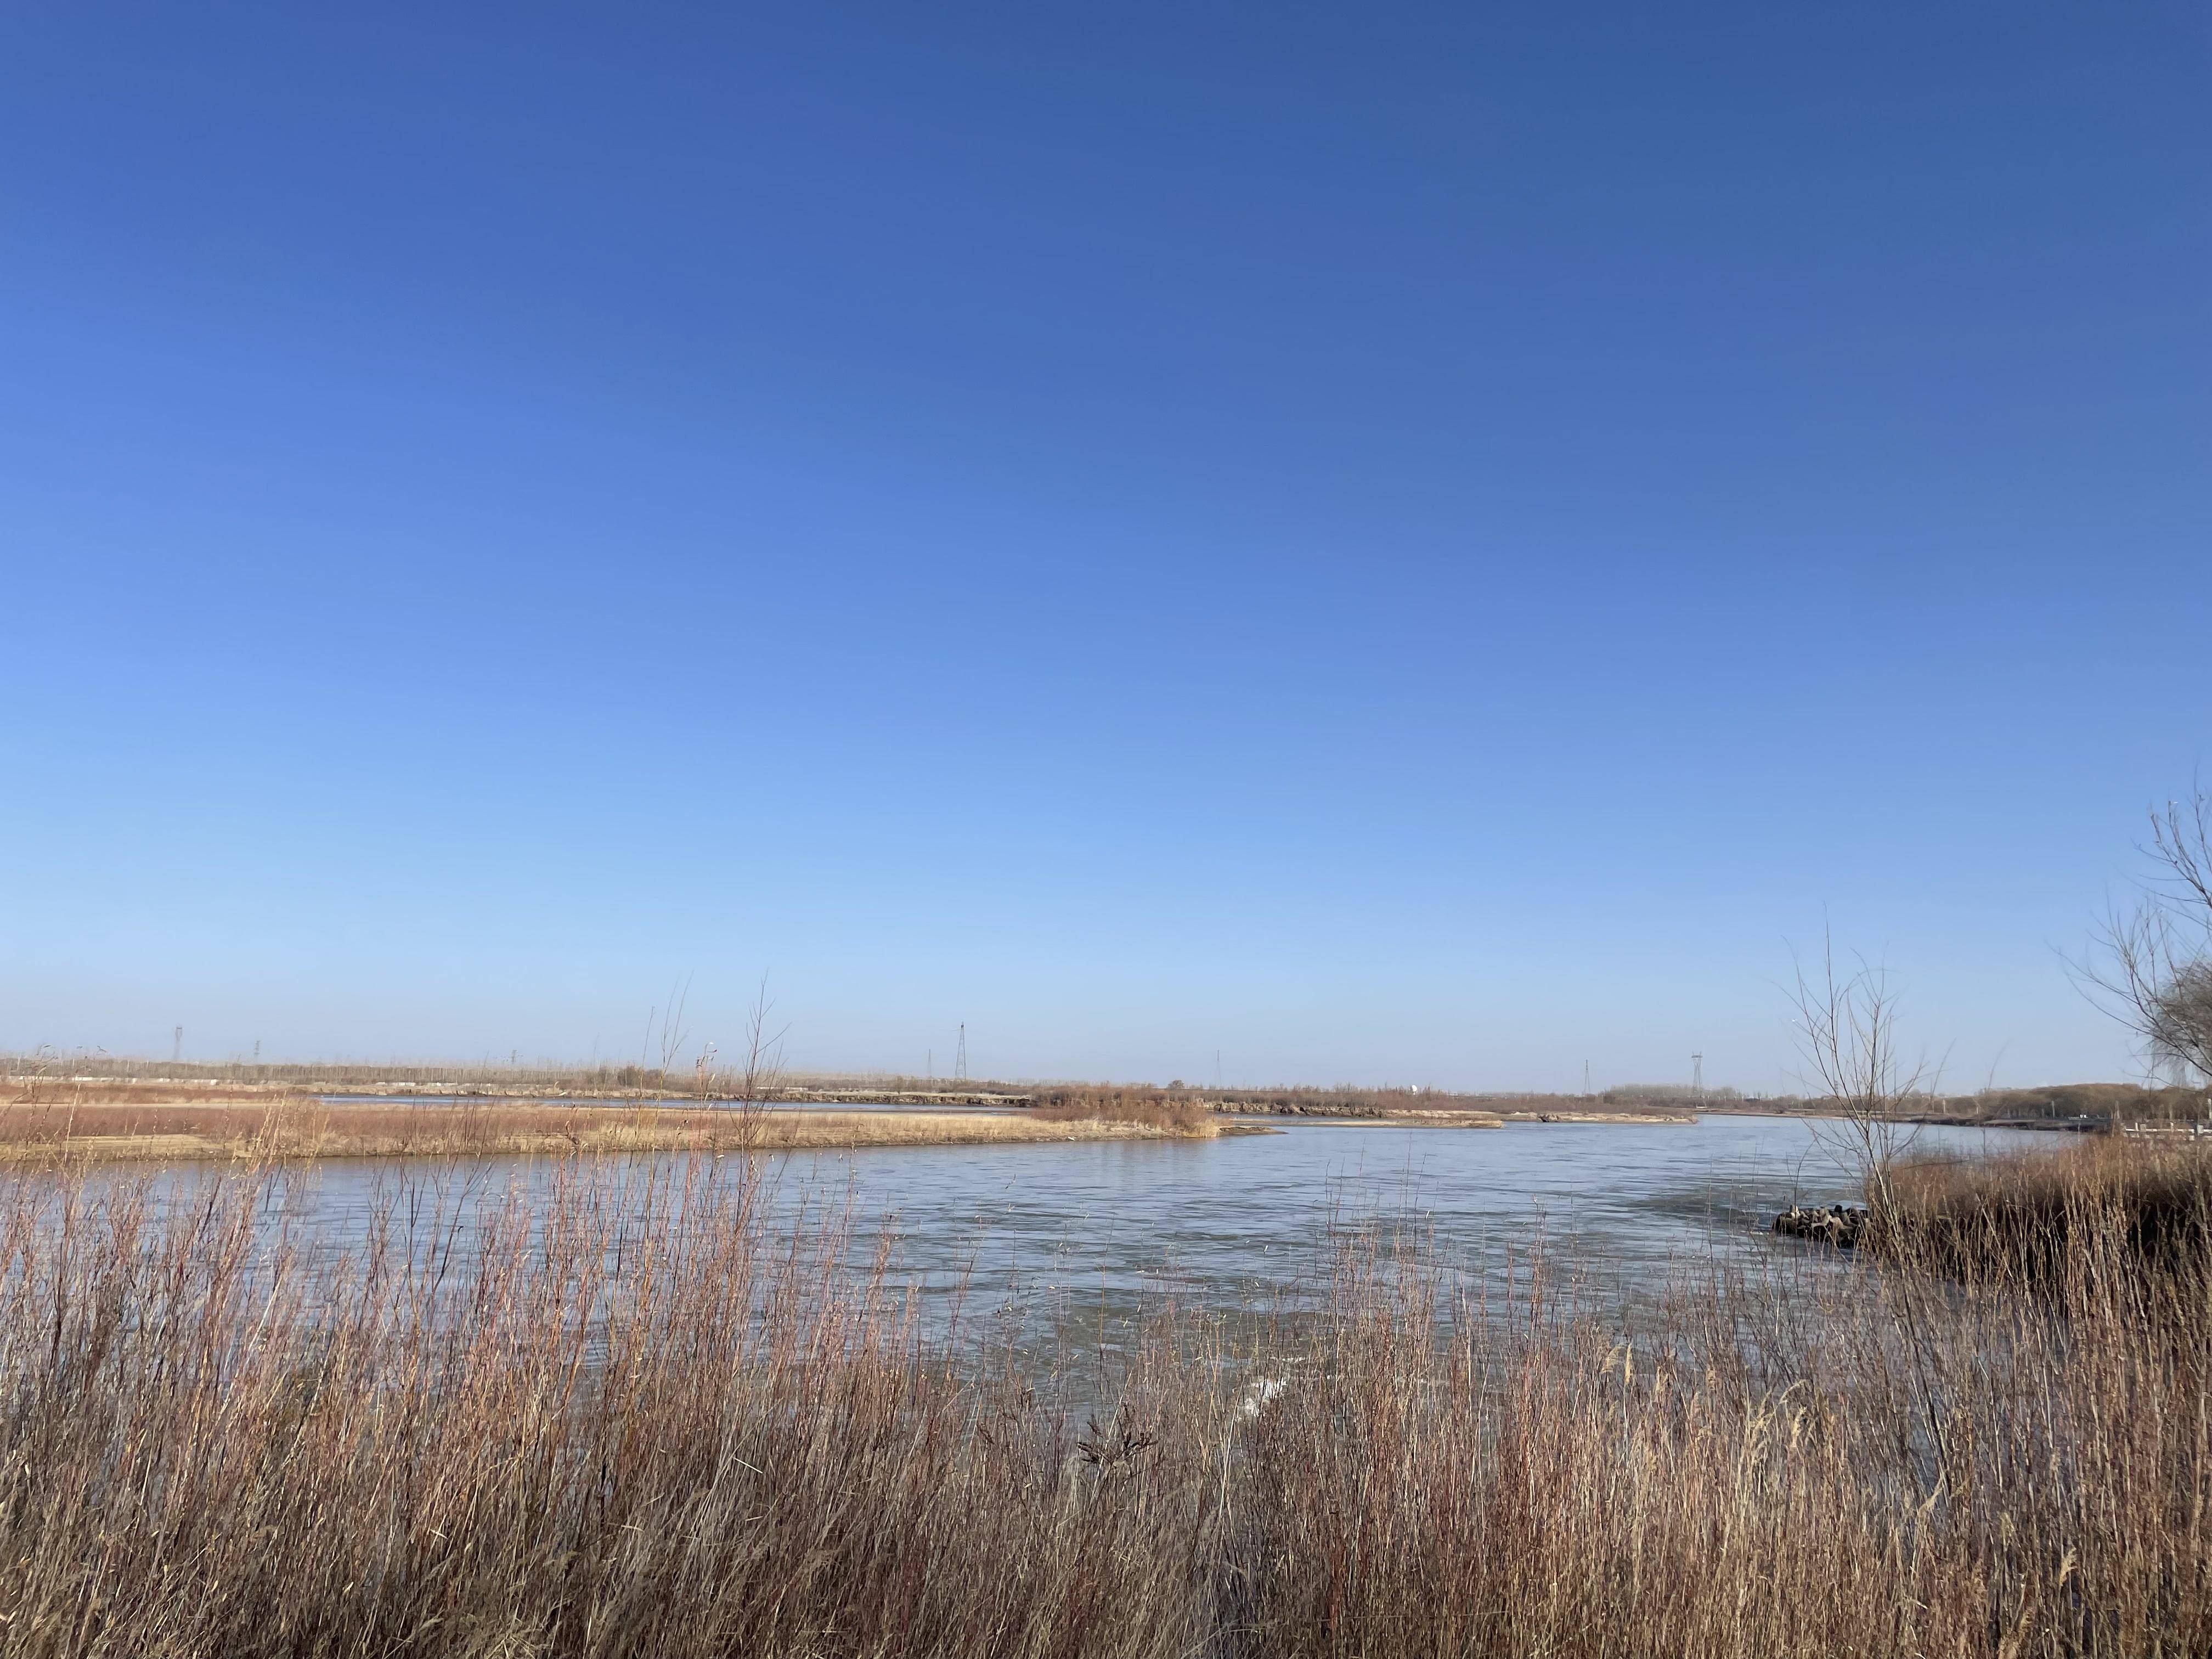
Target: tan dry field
x=299, y=1127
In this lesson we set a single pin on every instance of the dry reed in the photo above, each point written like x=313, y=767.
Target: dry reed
x=1151, y=1108
x=612, y=1423
x=2025, y=1214
x=295, y=1129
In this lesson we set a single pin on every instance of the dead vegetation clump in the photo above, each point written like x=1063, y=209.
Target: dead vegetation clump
x=1179, y=1114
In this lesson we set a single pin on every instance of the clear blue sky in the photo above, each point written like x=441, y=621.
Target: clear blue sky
x=1397, y=543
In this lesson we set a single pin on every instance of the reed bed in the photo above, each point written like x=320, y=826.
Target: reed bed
x=306, y=1128
x=36, y=1091
x=2024, y=1215
x=1151, y=1108
x=656, y=1420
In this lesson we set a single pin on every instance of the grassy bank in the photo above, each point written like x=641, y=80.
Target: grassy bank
x=1171, y=1114
x=1431, y=1109
x=639, y=1420
x=297, y=1128
x=2142, y=1199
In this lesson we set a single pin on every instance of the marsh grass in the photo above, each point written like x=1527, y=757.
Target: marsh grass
x=619, y=1418
x=2145, y=1199
x=1151, y=1108
x=294, y=1127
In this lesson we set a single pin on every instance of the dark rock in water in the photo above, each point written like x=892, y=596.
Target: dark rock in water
x=1838, y=1224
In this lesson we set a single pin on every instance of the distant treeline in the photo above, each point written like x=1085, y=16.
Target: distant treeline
x=2102, y=1101
x=2117, y=1103
x=342, y=1074
x=1347, y=1100
x=2054, y=1102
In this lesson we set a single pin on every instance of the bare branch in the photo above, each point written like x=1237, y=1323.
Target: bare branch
x=2150, y=967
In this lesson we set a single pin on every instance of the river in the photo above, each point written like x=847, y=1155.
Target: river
x=1231, y=1222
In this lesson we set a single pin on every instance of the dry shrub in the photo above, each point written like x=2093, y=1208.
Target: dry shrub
x=1152, y=1109
x=617, y=1422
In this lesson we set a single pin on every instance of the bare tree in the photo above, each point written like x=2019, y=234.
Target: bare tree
x=673, y=1033
x=2150, y=966
x=1846, y=1030
x=760, y=1076
x=1847, y=1033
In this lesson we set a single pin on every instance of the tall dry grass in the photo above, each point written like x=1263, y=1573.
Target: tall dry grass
x=2026, y=1215
x=1151, y=1108
x=299, y=1127
x=663, y=1422
x=295, y=1129
x=42, y=1093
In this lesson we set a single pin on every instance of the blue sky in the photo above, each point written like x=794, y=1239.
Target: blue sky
x=1393, y=543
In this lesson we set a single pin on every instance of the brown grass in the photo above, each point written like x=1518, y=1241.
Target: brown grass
x=2148, y=1197
x=307, y=1128
x=50, y=1091
x=644, y=1421
x=1153, y=1108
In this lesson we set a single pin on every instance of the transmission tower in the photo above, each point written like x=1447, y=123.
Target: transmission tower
x=177, y=1045
x=1697, y=1077
x=960, y=1057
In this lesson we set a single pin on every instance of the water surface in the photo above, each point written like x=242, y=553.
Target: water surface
x=1228, y=1223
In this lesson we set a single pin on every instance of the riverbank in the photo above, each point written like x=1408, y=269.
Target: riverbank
x=291, y=1128
x=2027, y=1219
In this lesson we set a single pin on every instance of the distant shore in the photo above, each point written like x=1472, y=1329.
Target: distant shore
x=110, y=1109
x=304, y=1129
